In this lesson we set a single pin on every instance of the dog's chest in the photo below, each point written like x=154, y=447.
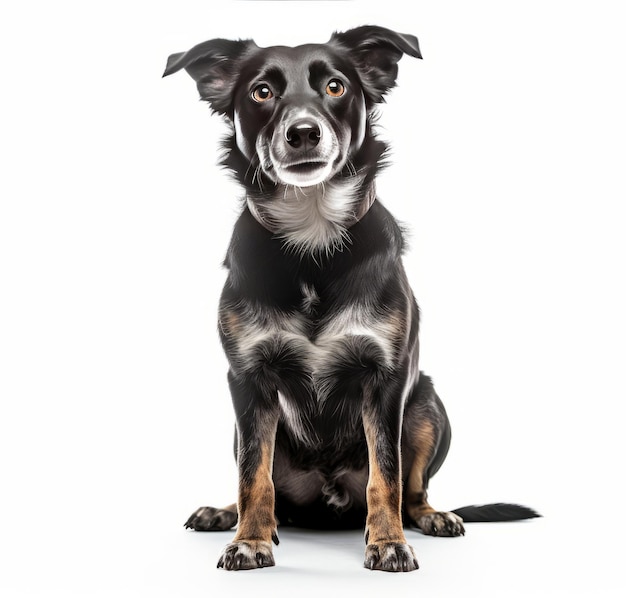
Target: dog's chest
x=315, y=336
x=310, y=335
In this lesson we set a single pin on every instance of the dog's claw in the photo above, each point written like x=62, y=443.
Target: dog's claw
x=390, y=556
x=243, y=555
x=441, y=524
x=209, y=519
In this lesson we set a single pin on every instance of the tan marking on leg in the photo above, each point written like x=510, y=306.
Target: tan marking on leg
x=386, y=548
x=384, y=520
x=251, y=547
x=415, y=495
x=256, y=503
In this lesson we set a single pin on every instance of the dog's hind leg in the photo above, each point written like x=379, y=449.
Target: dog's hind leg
x=425, y=443
x=210, y=519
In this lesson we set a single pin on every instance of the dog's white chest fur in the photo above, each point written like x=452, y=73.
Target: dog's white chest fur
x=311, y=219
x=310, y=299
x=293, y=329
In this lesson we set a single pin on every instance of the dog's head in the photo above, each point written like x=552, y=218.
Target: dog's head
x=302, y=142
x=300, y=114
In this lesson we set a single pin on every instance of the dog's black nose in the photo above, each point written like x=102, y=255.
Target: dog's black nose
x=303, y=134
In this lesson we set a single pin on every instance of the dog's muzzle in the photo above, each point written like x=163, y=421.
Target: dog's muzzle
x=303, y=151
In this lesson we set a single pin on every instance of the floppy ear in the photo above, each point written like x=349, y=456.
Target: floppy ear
x=376, y=52
x=213, y=66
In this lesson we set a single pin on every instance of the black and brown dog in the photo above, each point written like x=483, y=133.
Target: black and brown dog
x=336, y=426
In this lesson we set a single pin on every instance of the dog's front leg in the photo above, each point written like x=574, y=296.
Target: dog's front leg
x=387, y=549
x=257, y=418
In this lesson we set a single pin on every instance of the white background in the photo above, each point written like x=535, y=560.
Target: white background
x=508, y=167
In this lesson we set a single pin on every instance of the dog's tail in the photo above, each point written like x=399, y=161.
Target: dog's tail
x=495, y=512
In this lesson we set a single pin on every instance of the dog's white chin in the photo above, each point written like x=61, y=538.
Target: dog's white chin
x=309, y=178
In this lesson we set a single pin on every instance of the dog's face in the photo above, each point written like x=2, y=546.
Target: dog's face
x=299, y=114
x=301, y=111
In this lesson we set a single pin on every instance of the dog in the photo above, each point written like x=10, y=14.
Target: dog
x=336, y=427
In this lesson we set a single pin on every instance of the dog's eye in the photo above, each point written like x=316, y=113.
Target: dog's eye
x=335, y=88
x=262, y=93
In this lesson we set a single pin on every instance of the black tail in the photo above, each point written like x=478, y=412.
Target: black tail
x=495, y=512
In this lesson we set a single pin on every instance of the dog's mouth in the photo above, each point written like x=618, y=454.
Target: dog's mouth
x=305, y=167
x=303, y=174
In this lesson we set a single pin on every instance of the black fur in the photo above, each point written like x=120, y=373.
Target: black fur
x=495, y=512
x=336, y=427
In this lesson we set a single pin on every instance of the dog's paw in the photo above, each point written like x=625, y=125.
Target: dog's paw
x=252, y=554
x=390, y=556
x=209, y=519
x=441, y=524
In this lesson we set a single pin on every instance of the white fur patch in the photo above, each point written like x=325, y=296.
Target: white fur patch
x=240, y=138
x=310, y=298
x=359, y=321
x=312, y=219
x=293, y=418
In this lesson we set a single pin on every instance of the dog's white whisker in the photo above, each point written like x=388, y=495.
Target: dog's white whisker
x=250, y=165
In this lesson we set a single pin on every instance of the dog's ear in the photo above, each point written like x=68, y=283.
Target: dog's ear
x=214, y=67
x=376, y=52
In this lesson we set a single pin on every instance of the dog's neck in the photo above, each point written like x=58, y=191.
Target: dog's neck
x=315, y=219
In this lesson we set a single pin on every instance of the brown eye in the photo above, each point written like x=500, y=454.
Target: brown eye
x=335, y=88
x=262, y=93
